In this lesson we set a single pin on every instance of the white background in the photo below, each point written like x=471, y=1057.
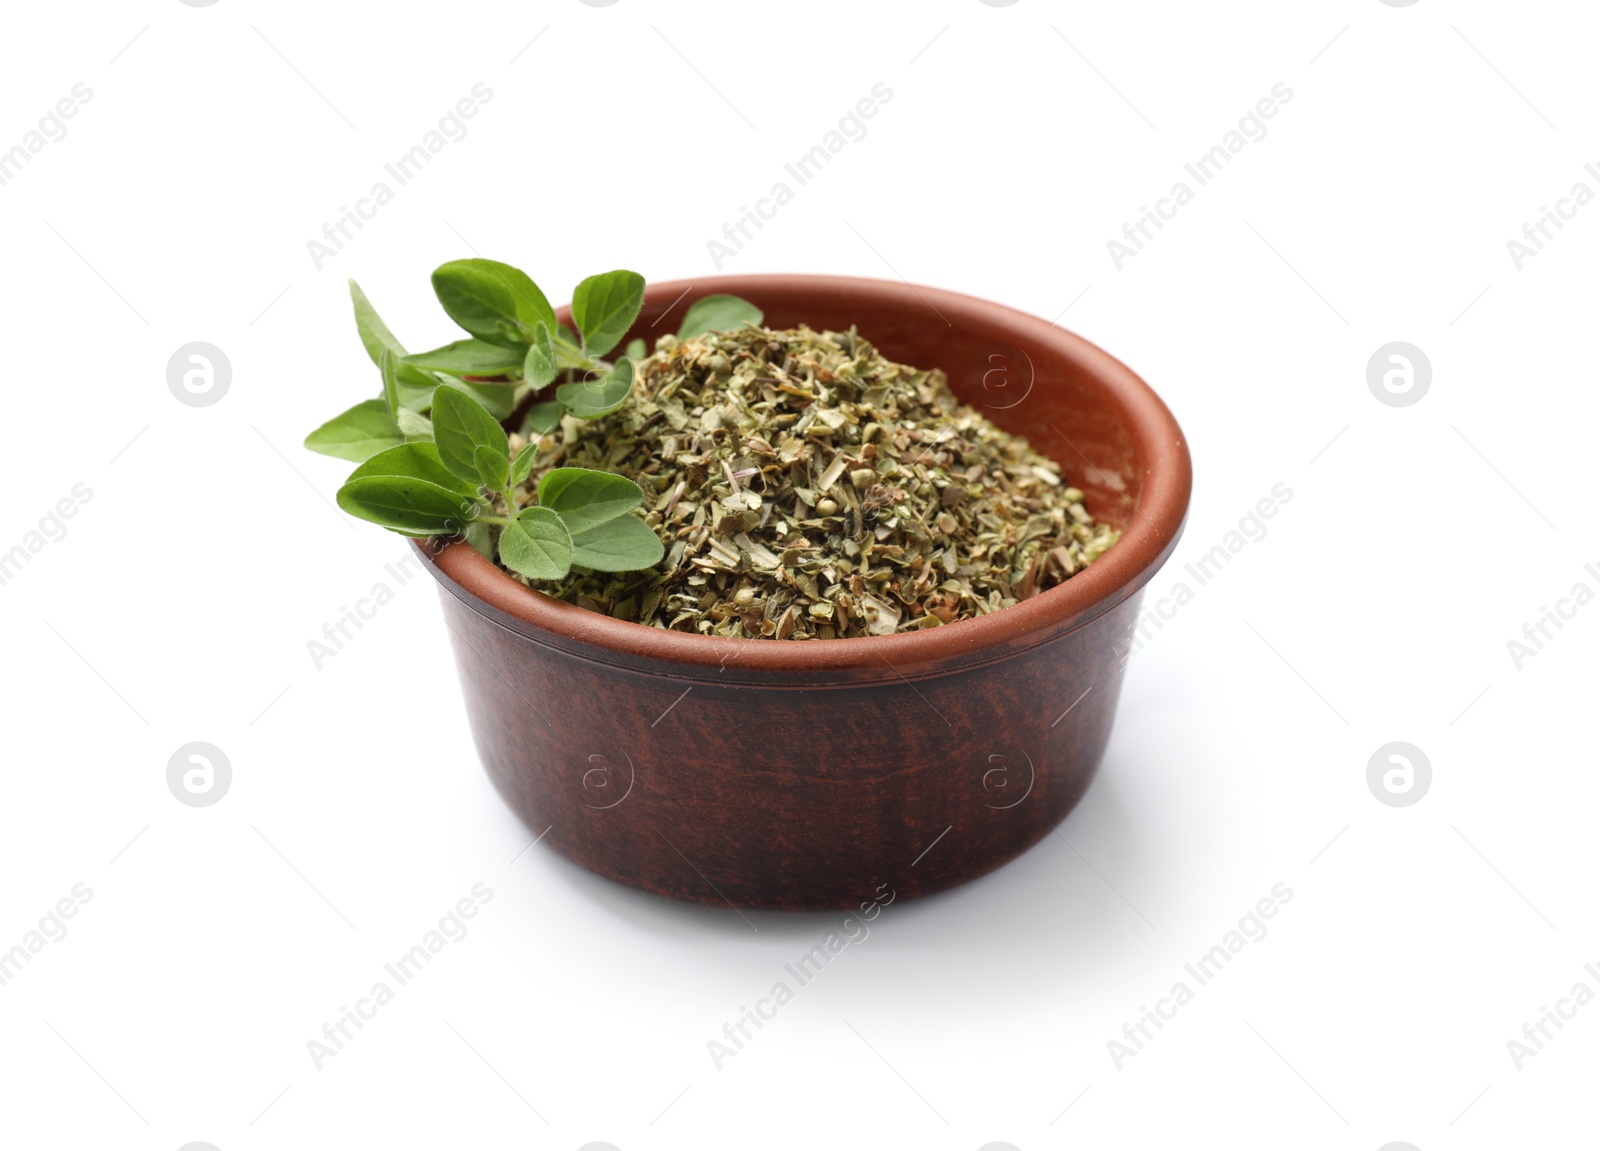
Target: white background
x=1419, y=540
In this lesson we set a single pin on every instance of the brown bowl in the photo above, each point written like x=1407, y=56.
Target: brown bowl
x=822, y=773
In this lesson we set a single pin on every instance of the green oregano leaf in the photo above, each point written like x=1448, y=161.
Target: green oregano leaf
x=536, y=544
x=358, y=433
x=539, y=366
x=604, y=308
x=624, y=544
x=375, y=334
x=416, y=461
x=412, y=425
x=495, y=302
x=523, y=463
x=544, y=417
x=415, y=385
x=636, y=350
x=717, y=314
x=408, y=489
x=387, y=363
x=411, y=506
x=585, y=498
x=417, y=397
x=477, y=534
x=499, y=400
x=461, y=427
x=591, y=399
x=494, y=468
x=468, y=358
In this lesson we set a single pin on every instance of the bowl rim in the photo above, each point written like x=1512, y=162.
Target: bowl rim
x=1155, y=524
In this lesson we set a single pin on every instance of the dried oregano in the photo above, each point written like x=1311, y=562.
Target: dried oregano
x=806, y=487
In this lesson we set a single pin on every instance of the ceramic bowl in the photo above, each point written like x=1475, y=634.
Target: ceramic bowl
x=814, y=774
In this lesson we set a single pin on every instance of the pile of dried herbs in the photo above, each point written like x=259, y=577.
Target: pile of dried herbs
x=805, y=487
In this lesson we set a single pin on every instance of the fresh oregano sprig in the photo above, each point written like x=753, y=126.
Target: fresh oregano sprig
x=433, y=456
